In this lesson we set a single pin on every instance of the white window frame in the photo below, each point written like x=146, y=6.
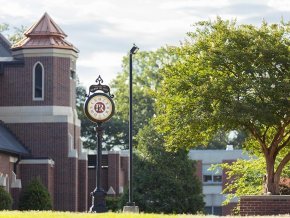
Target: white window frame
x=33, y=83
x=212, y=174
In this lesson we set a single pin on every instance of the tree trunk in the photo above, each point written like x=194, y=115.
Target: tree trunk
x=272, y=179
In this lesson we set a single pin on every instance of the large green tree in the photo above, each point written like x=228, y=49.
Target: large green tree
x=231, y=77
x=164, y=181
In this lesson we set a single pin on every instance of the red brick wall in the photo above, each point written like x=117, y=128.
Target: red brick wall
x=124, y=172
x=61, y=82
x=83, y=186
x=43, y=139
x=4, y=164
x=228, y=209
x=114, y=171
x=51, y=140
x=42, y=171
x=15, y=194
x=57, y=84
x=265, y=205
x=199, y=169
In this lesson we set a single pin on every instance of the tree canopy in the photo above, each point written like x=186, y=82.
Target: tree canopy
x=230, y=77
x=164, y=181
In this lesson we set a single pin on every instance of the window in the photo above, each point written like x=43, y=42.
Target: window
x=211, y=177
x=38, y=82
x=217, y=178
x=207, y=178
x=214, y=210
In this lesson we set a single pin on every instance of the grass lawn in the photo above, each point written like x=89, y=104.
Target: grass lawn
x=48, y=214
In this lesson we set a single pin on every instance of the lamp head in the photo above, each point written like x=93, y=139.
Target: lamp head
x=134, y=49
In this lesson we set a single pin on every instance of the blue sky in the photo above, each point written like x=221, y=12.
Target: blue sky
x=104, y=30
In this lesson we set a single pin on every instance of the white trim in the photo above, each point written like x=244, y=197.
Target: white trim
x=3, y=179
x=13, y=159
x=37, y=161
x=39, y=114
x=72, y=152
x=45, y=52
x=33, y=82
x=83, y=155
x=16, y=183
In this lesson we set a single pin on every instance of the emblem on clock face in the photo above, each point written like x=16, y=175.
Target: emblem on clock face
x=99, y=107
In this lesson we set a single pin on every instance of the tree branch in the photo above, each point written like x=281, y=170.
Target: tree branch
x=283, y=145
x=258, y=137
x=265, y=133
x=277, y=136
x=282, y=164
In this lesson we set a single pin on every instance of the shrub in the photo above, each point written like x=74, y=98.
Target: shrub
x=112, y=203
x=5, y=200
x=35, y=197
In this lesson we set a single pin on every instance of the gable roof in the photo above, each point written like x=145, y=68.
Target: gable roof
x=5, y=46
x=10, y=144
x=44, y=34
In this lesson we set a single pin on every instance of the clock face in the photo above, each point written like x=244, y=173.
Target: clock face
x=99, y=107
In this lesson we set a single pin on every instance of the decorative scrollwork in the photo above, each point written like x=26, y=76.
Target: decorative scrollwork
x=100, y=87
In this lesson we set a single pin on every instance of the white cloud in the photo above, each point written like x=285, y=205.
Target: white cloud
x=282, y=5
x=105, y=30
x=106, y=64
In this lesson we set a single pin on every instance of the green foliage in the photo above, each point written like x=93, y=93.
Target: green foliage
x=35, y=197
x=224, y=80
x=5, y=200
x=15, y=35
x=244, y=177
x=4, y=27
x=113, y=204
x=164, y=181
x=230, y=77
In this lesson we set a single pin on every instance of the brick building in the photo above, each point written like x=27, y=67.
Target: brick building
x=39, y=129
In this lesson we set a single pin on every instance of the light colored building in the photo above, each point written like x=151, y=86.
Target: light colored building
x=213, y=182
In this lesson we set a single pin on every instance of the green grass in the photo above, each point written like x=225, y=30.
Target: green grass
x=49, y=214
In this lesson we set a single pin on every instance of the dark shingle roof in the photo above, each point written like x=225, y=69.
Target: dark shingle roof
x=9, y=143
x=4, y=47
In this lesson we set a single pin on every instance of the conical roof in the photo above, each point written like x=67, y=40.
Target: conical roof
x=44, y=34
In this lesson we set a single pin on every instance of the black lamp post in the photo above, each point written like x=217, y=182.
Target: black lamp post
x=130, y=204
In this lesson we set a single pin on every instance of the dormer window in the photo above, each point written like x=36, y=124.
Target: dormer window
x=38, y=82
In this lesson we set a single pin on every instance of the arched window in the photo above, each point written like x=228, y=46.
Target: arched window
x=38, y=82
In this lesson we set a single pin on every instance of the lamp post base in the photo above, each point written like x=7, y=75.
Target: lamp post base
x=131, y=208
x=99, y=202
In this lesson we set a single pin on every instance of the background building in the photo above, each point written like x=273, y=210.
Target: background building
x=213, y=182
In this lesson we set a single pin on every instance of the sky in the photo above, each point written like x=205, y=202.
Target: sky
x=105, y=30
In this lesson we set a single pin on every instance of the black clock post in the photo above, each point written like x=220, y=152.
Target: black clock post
x=99, y=108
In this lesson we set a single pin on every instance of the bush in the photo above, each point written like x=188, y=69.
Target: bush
x=112, y=203
x=5, y=200
x=35, y=197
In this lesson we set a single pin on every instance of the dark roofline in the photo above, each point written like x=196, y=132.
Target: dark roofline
x=16, y=138
x=7, y=151
x=8, y=44
x=9, y=61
